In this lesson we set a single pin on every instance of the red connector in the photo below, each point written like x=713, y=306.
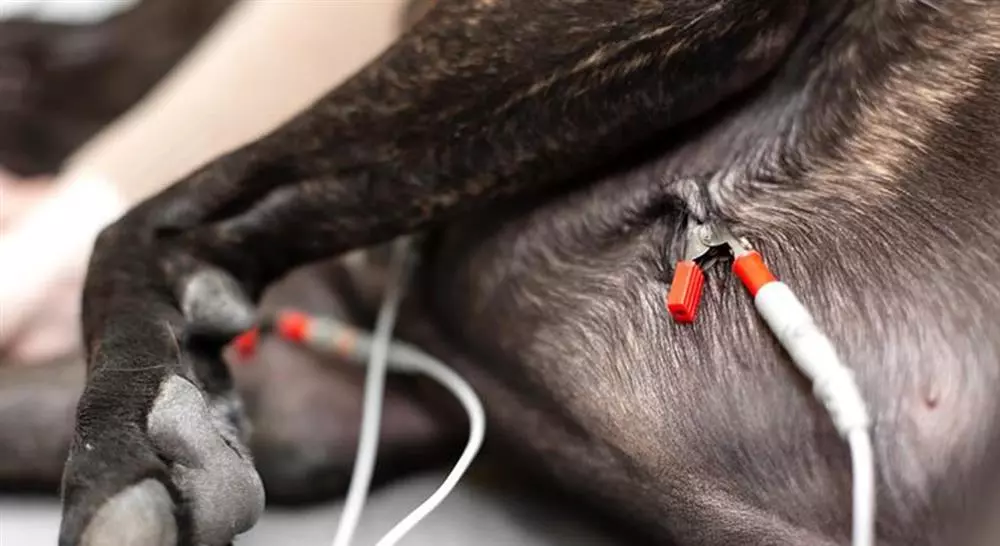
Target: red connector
x=752, y=270
x=685, y=291
x=245, y=344
x=293, y=326
x=290, y=326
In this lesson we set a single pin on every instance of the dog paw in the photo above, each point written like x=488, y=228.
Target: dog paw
x=140, y=515
x=179, y=476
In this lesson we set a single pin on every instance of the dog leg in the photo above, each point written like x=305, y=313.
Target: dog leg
x=481, y=99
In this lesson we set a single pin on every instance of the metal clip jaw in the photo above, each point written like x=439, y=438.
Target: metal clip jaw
x=807, y=346
x=689, y=275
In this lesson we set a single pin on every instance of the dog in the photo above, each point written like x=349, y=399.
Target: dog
x=552, y=154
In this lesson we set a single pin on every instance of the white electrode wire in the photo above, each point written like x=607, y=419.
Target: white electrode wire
x=477, y=432
x=371, y=417
x=833, y=384
x=863, y=468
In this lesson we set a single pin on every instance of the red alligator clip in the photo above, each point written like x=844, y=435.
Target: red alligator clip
x=689, y=275
x=685, y=291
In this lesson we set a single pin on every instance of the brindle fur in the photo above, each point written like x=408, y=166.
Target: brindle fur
x=853, y=142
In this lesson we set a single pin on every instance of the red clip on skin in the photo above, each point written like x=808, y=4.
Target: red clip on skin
x=752, y=270
x=245, y=344
x=685, y=291
x=289, y=326
x=293, y=326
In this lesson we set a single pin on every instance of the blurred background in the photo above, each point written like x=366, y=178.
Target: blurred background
x=104, y=102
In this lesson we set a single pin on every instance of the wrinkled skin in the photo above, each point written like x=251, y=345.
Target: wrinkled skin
x=855, y=143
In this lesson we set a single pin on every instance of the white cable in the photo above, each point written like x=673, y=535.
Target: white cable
x=409, y=359
x=477, y=432
x=371, y=417
x=834, y=386
x=383, y=353
x=863, y=464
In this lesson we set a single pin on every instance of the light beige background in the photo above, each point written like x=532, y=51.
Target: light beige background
x=265, y=61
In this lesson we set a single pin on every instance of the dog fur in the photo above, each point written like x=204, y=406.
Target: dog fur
x=552, y=152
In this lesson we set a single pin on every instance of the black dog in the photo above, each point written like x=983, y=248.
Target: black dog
x=855, y=143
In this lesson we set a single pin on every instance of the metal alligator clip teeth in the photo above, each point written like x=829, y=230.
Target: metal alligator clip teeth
x=689, y=275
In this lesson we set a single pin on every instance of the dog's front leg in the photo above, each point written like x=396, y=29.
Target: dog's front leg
x=481, y=99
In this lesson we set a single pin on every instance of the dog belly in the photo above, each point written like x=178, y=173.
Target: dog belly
x=705, y=433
